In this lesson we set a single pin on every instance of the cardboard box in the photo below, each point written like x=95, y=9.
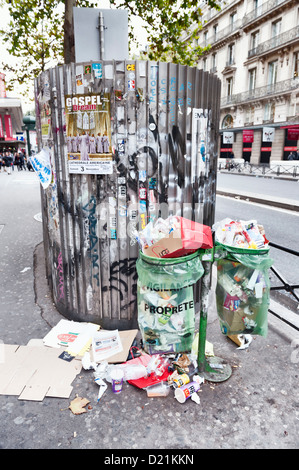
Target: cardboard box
x=181, y=242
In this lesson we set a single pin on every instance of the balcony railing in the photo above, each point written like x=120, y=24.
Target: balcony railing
x=222, y=33
x=261, y=92
x=274, y=42
x=265, y=8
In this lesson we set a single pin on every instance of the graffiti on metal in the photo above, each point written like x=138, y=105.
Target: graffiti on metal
x=156, y=155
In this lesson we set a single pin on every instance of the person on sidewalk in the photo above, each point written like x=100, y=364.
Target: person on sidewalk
x=22, y=166
x=2, y=163
x=8, y=162
x=292, y=156
x=17, y=161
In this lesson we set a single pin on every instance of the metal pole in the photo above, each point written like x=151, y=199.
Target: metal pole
x=213, y=369
x=101, y=28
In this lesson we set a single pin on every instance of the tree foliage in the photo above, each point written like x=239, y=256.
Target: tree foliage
x=172, y=27
x=39, y=33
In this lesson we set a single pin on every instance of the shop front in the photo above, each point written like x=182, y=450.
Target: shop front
x=11, y=121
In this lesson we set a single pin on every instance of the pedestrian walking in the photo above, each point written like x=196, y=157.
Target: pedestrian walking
x=8, y=162
x=22, y=166
x=2, y=163
x=292, y=156
x=17, y=161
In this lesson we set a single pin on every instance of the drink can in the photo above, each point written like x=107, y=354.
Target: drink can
x=183, y=393
x=181, y=380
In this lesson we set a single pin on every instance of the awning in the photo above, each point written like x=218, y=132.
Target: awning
x=292, y=126
x=13, y=107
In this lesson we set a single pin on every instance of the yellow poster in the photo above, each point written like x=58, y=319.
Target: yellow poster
x=88, y=133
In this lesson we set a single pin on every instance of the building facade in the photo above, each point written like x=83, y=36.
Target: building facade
x=254, y=50
x=11, y=120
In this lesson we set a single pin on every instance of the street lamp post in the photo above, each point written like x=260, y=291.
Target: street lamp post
x=29, y=125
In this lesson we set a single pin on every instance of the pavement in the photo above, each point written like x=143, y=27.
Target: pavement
x=257, y=407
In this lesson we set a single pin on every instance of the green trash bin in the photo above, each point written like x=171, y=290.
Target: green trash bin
x=243, y=290
x=166, y=311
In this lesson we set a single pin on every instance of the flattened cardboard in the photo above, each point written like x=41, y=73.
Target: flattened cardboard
x=34, y=371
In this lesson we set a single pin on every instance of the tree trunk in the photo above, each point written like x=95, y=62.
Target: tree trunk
x=69, y=40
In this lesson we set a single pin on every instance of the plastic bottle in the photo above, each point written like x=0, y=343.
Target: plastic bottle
x=133, y=371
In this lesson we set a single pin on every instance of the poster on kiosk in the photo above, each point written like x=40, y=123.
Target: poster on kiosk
x=88, y=134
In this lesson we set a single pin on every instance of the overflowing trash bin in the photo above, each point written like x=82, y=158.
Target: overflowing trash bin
x=166, y=310
x=243, y=285
x=166, y=313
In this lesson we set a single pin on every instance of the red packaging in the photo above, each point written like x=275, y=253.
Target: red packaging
x=181, y=242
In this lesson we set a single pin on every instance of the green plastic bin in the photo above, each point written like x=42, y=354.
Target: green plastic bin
x=166, y=312
x=243, y=290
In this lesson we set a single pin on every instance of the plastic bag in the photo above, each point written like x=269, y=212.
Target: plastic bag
x=166, y=314
x=243, y=293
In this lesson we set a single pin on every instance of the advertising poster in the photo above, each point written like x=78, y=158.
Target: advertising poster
x=8, y=126
x=248, y=136
x=293, y=134
x=88, y=133
x=228, y=137
x=268, y=134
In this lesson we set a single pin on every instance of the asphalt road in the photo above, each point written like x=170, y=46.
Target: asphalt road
x=256, y=184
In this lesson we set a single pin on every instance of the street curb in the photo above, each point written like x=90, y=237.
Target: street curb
x=260, y=199
x=274, y=177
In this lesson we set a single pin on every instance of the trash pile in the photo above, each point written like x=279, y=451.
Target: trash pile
x=167, y=268
x=240, y=234
x=173, y=237
x=243, y=286
x=156, y=374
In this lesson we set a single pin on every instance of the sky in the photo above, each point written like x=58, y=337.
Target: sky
x=28, y=104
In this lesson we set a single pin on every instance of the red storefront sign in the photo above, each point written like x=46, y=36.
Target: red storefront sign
x=247, y=149
x=289, y=149
x=248, y=136
x=1, y=128
x=293, y=134
x=8, y=126
x=229, y=149
x=266, y=149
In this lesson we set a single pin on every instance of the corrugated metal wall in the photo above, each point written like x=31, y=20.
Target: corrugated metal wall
x=164, y=121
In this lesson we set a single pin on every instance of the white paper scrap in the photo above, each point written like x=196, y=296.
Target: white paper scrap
x=105, y=344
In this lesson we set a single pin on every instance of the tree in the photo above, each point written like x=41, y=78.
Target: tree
x=40, y=33
x=171, y=25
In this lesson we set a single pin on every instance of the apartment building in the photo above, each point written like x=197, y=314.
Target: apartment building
x=254, y=50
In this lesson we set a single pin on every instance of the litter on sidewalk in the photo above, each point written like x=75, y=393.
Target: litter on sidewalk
x=35, y=371
x=168, y=267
